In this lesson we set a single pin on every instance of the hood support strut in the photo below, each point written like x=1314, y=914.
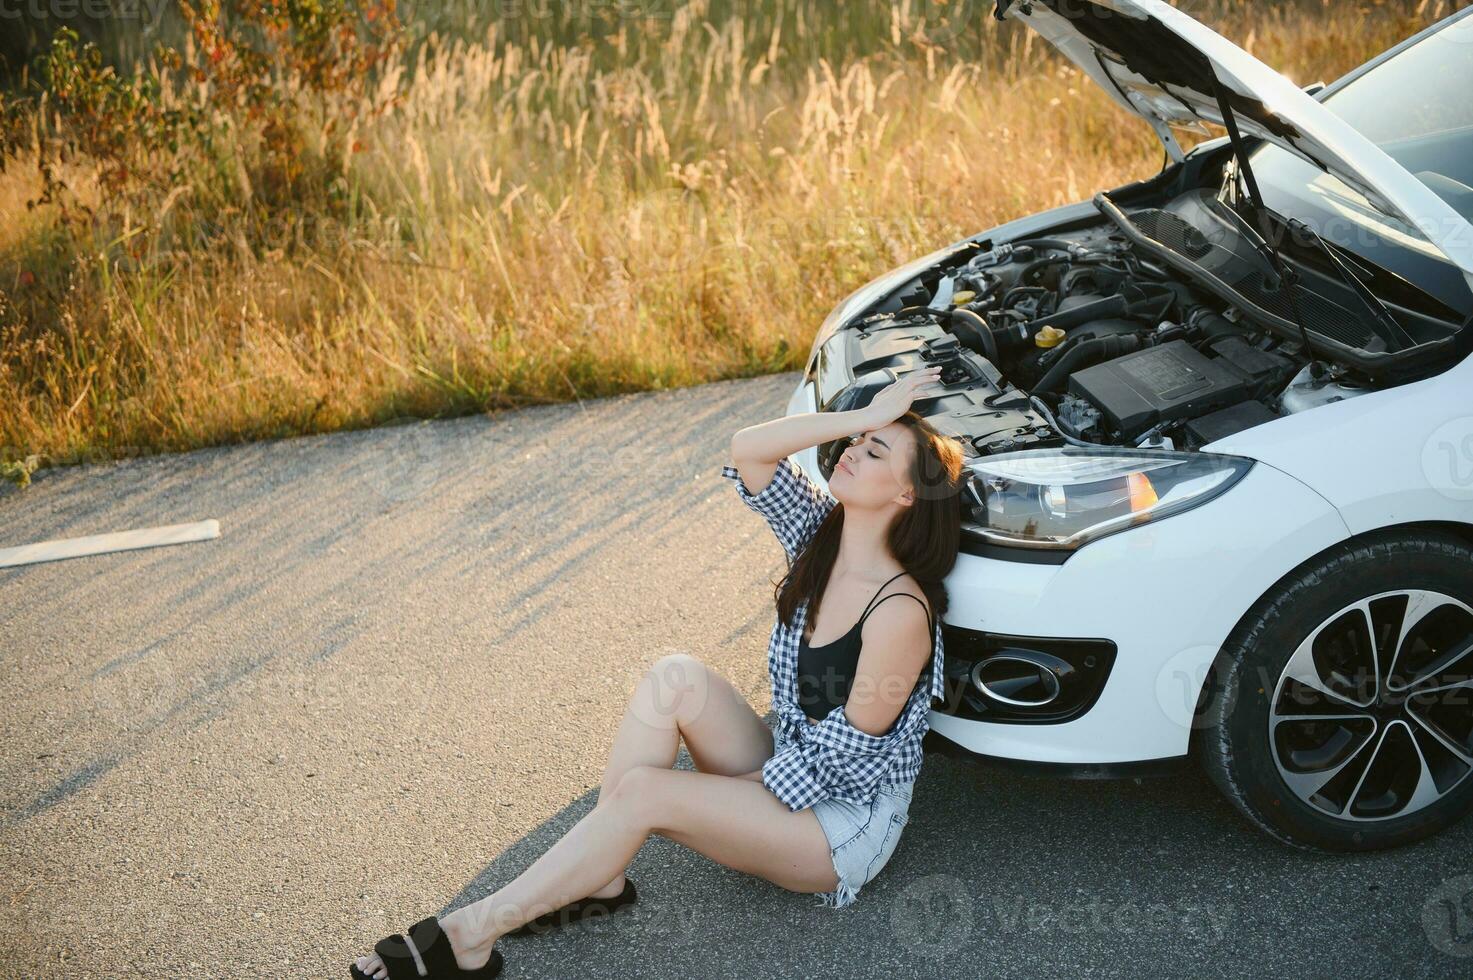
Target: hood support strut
x=1288, y=278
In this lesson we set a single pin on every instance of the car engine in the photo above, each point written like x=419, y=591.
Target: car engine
x=1080, y=338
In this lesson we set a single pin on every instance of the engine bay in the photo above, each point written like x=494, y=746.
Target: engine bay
x=1085, y=337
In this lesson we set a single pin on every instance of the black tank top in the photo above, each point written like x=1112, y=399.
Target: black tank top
x=826, y=673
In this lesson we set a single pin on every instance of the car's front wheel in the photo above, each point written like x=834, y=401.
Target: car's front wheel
x=1339, y=714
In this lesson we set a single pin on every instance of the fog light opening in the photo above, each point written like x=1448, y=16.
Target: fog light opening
x=1018, y=680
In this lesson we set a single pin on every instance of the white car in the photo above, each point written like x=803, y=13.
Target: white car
x=1219, y=427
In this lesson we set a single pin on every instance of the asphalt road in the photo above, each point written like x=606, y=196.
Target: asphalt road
x=392, y=682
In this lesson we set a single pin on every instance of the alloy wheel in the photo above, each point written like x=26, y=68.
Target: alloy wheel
x=1372, y=716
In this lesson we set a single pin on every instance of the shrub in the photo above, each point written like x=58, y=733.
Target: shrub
x=260, y=106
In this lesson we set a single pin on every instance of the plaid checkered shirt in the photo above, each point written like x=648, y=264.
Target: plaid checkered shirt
x=831, y=758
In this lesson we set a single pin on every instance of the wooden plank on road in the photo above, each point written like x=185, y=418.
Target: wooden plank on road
x=98, y=544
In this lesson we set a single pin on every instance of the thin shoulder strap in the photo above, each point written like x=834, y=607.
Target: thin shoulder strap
x=892, y=595
x=872, y=602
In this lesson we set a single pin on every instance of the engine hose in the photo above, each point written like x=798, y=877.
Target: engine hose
x=1099, y=348
x=913, y=310
x=1007, y=297
x=1098, y=309
x=1104, y=280
x=971, y=323
x=1151, y=309
x=1026, y=276
x=1052, y=354
x=1211, y=324
x=1057, y=243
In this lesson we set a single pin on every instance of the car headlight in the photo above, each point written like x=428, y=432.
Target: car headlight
x=866, y=295
x=1066, y=497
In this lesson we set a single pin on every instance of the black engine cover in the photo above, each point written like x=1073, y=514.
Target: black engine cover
x=1171, y=381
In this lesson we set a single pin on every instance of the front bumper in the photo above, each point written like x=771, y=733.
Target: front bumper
x=1167, y=594
x=936, y=744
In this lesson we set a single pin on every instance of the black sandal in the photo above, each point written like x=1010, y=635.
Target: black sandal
x=578, y=911
x=434, y=949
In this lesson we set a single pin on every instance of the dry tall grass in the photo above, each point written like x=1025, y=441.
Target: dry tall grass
x=662, y=205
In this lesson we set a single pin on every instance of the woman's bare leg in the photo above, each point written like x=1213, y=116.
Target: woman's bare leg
x=736, y=822
x=681, y=697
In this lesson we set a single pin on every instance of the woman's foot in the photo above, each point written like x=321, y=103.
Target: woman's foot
x=472, y=951
x=472, y=947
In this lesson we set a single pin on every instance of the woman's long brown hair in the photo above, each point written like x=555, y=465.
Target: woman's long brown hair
x=924, y=539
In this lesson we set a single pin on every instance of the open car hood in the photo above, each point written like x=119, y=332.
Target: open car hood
x=1160, y=64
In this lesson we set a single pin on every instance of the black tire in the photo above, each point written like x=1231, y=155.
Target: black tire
x=1249, y=685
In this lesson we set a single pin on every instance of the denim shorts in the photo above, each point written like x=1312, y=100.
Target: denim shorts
x=862, y=836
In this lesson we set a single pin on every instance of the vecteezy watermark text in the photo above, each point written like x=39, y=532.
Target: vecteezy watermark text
x=936, y=914
x=149, y=10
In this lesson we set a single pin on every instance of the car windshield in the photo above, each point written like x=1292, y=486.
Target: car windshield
x=1415, y=106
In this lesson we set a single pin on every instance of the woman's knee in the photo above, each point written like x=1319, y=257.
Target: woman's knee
x=680, y=661
x=637, y=791
x=678, y=684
